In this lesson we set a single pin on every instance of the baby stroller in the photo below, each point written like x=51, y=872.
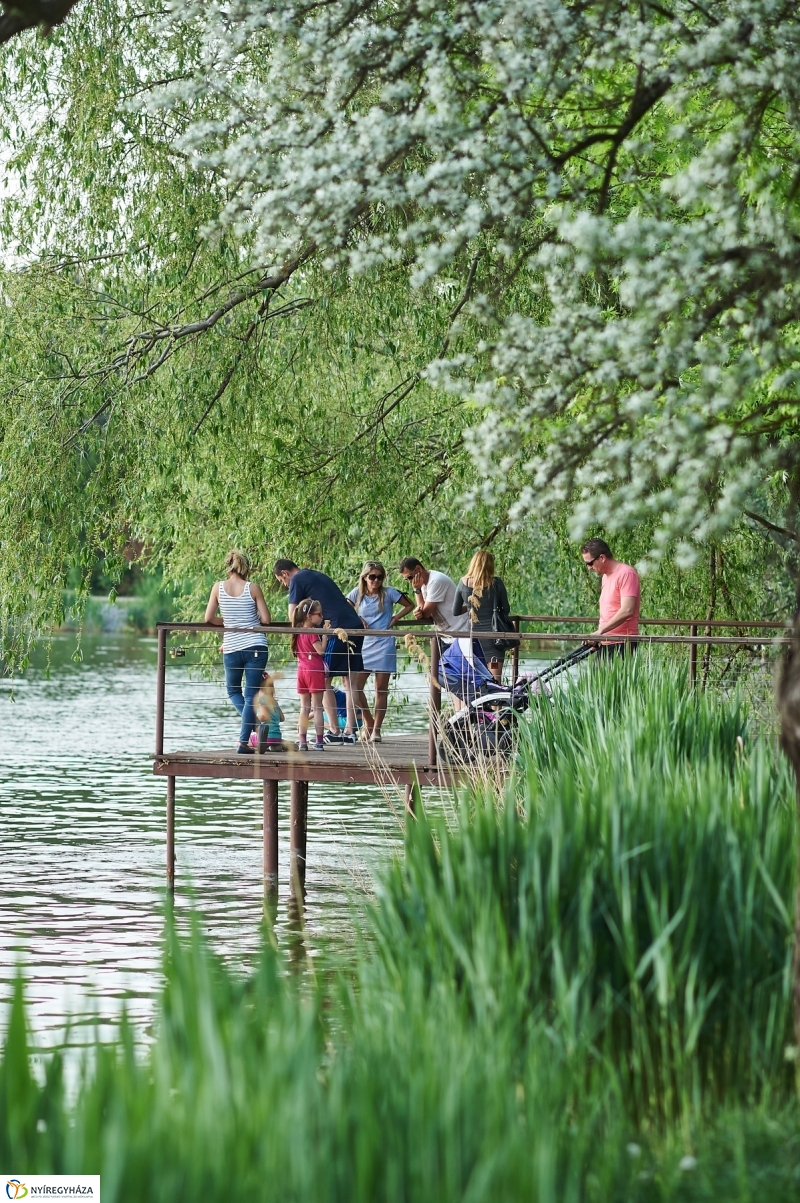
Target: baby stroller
x=487, y=724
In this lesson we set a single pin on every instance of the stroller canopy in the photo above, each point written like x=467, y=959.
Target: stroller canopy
x=463, y=671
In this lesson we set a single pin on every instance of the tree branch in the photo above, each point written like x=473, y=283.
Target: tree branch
x=226, y=379
x=772, y=528
x=32, y=14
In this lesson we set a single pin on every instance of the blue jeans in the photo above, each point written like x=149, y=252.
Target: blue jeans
x=250, y=663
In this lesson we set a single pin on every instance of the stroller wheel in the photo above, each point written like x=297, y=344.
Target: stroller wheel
x=479, y=735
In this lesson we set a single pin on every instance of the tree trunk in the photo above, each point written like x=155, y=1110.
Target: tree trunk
x=789, y=711
x=712, y=606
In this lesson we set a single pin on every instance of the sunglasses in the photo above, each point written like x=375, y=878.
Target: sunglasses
x=374, y=576
x=589, y=563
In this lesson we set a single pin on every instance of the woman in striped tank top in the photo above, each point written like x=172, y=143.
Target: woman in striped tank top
x=239, y=602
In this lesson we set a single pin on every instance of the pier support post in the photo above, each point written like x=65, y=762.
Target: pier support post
x=298, y=818
x=435, y=702
x=693, y=657
x=171, y=832
x=412, y=798
x=271, y=838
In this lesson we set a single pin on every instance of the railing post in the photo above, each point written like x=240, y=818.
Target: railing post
x=515, y=653
x=693, y=656
x=161, y=681
x=435, y=702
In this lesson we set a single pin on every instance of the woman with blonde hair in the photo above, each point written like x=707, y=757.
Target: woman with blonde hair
x=239, y=602
x=482, y=596
x=375, y=602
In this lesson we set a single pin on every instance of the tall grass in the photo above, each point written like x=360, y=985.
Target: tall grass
x=636, y=885
x=379, y=1093
x=563, y=998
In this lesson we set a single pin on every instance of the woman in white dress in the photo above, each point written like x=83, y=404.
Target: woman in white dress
x=375, y=603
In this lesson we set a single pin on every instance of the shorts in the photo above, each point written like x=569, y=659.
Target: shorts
x=311, y=677
x=606, y=650
x=341, y=660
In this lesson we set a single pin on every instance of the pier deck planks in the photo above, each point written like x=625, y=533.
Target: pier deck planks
x=399, y=759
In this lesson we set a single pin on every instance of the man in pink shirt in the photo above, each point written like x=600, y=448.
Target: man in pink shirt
x=619, y=595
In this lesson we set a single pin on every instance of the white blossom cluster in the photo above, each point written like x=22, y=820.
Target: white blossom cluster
x=625, y=177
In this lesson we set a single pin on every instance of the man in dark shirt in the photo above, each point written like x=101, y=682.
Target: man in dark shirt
x=342, y=658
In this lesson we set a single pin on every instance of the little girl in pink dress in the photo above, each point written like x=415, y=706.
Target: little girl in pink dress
x=311, y=675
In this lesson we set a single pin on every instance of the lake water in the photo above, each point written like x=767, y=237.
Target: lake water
x=82, y=833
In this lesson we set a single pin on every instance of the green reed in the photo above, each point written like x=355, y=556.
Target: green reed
x=637, y=884
x=568, y=995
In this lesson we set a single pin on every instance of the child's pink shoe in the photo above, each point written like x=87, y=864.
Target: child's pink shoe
x=253, y=740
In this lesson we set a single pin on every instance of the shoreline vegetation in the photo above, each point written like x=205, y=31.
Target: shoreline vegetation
x=574, y=987
x=129, y=614
x=136, y=612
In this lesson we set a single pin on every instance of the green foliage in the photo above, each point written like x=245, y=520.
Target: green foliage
x=579, y=995
x=298, y=421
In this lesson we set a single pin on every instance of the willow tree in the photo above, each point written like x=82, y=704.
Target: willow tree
x=163, y=382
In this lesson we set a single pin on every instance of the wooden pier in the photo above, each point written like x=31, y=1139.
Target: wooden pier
x=407, y=762
x=399, y=761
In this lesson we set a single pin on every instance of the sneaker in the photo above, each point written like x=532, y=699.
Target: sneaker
x=329, y=738
x=375, y=738
x=302, y=746
x=245, y=750
x=348, y=738
x=318, y=746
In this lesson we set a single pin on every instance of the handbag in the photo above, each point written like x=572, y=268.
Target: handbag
x=501, y=623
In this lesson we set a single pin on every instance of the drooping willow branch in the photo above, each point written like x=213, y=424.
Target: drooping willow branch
x=137, y=348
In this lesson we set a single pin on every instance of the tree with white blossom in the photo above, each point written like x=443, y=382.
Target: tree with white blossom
x=615, y=185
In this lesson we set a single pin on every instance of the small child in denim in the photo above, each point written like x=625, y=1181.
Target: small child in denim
x=269, y=715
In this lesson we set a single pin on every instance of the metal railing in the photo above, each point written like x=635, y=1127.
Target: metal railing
x=693, y=641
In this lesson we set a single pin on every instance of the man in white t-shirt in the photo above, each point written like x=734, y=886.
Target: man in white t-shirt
x=434, y=594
